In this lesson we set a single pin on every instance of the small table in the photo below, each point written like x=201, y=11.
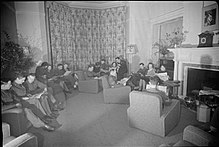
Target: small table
x=173, y=85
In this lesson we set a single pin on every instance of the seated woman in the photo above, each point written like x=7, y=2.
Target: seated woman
x=162, y=74
x=151, y=70
x=113, y=74
x=34, y=87
x=60, y=77
x=43, y=120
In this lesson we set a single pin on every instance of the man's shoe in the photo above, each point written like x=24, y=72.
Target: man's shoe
x=48, y=128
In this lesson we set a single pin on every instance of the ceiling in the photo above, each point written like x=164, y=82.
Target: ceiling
x=92, y=4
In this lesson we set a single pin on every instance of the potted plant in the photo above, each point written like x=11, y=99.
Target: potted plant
x=163, y=47
x=176, y=38
x=13, y=58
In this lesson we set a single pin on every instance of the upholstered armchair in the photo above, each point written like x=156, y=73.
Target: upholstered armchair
x=24, y=140
x=193, y=136
x=119, y=94
x=16, y=118
x=87, y=85
x=147, y=113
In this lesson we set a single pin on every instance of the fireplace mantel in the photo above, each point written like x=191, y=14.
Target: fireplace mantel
x=200, y=56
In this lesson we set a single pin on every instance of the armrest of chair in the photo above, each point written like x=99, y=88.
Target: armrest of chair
x=26, y=140
x=197, y=136
x=5, y=130
x=17, y=120
x=119, y=89
x=171, y=115
x=6, y=107
x=14, y=110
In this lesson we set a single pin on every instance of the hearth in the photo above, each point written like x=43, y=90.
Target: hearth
x=199, y=79
x=195, y=58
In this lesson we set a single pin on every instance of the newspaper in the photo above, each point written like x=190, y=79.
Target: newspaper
x=163, y=76
x=36, y=96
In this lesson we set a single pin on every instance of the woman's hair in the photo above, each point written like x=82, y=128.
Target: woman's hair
x=113, y=63
x=117, y=58
x=91, y=65
x=31, y=74
x=141, y=64
x=44, y=64
x=154, y=80
x=151, y=64
x=60, y=64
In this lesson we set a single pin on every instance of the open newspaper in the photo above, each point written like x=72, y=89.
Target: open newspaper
x=163, y=76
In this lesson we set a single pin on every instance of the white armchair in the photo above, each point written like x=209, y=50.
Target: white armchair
x=146, y=113
x=24, y=140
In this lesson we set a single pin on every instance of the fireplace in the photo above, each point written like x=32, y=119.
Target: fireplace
x=199, y=79
x=198, y=59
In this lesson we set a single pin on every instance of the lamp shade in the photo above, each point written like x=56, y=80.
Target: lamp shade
x=131, y=49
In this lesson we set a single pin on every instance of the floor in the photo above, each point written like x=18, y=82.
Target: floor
x=87, y=121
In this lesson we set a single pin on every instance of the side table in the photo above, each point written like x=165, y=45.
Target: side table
x=173, y=85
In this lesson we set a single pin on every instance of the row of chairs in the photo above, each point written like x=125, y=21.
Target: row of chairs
x=145, y=111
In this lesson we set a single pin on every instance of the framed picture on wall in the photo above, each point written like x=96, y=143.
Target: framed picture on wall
x=210, y=18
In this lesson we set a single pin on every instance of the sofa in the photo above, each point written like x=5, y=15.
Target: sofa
x=193, y=136
x=147, y=113
x=119, y=94
x=16, y=118
x=24, y=140
x=87, y=85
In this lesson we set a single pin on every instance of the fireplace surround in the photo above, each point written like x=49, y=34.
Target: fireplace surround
x=201, y=58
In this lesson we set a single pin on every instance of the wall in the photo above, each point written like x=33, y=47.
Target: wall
x=32, y=28
x=142, y=16
x=8, y=20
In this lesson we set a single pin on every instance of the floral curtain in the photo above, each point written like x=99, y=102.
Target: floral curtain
x=82, y=36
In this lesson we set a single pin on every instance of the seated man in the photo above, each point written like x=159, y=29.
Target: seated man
x=90, y=72
x=60, y=77
x=142, y=73
x=34, y=87
x=153, y=89
x=7, y=96
x=69, y=76
x=104, y=68
x=45, y=74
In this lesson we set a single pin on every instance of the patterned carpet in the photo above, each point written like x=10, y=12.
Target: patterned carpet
x=87, y=121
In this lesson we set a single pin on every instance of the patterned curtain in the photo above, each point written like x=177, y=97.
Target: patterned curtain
x=82, y=36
